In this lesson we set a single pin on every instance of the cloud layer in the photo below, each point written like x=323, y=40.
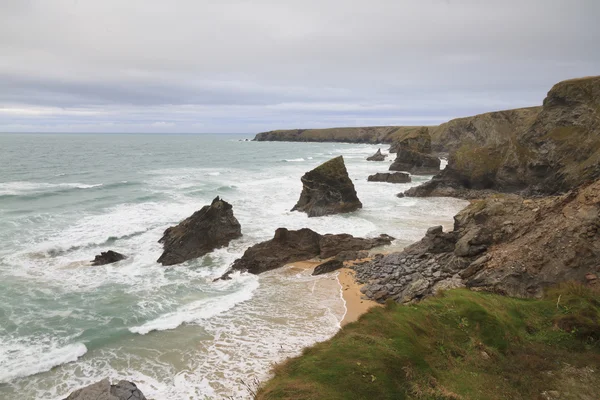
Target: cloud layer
x=247, y=66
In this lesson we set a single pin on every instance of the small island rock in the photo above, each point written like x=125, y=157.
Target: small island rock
x=327, y=190
x=210, y=228
x=397, y=177
x=377, y=156
x=108, y=257
x=103, y=390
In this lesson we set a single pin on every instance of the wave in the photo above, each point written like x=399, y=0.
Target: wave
x=31, y=361
x=36, y=190
x=294, y=160
x=198, y=310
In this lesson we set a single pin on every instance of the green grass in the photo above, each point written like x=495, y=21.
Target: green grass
x=460, y=345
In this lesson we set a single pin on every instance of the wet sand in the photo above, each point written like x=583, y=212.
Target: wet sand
x=355, y=304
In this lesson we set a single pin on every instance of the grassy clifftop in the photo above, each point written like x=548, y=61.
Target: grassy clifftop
x=373, y=134
x=460, y=345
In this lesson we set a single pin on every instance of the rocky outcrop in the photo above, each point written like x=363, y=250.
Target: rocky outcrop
x=416, y=163
x=377, y=156
x=108, y=257
x=328, y=266
x=331, y=245
x=374, y=134
x=413, y=154
x=327, y=190
x=103, y=390
x=556, y=150
x=417, y=139
x=504, y=243
x=210, y=228
x=304, y=244
x=397, y=177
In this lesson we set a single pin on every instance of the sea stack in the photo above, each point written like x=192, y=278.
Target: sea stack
x=328, y=190
x=413, y=154
x=210, y=228
x=377, y=156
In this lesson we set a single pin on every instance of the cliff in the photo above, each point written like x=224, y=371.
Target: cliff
x=555, y=150
x=373, y=134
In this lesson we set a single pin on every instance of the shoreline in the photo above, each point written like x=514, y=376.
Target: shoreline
x=355, y=303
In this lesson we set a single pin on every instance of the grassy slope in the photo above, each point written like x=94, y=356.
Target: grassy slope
x=461, y=345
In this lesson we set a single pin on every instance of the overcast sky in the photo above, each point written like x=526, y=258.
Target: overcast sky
x=252, y=65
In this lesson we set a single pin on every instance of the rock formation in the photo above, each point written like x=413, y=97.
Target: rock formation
x=413, y=154
x=397, y=177
x=108, y=257
x=417, y=139
x=327, y=190
x=212, y=227
x=377, y=156
x=103, y=390
x=557, y=149
x=304, y=244
x=328, y=266
x=504, y=243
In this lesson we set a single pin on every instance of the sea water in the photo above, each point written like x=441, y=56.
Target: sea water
x=66, y=197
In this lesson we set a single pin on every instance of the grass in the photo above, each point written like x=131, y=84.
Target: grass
x=460, y=345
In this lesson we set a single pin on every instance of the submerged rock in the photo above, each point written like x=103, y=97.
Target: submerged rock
x=103, y=390
x=210, y=228
x=397, y=177
x=108, y=257
x=328, y=266
x=327, y=190
x=377, y=156
x=304, y=244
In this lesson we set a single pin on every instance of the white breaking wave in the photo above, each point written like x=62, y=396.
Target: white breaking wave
x=30, y=360
x=24, y=187
x=199, y=310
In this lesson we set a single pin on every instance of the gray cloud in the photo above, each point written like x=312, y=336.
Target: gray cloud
x=245, y=66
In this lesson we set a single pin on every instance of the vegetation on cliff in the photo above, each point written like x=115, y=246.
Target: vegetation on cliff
x=458, y=345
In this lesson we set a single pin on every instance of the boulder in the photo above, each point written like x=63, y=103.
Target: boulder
x=304, y=244
x=328, y=266
x=210, y=228
x=416, y=163
x=108, y=257
x=377, y=156
x=396, y=177
x=327, y=190
x=103, y=390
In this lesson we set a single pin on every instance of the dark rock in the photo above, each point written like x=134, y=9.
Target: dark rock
x=331, y=245
x=328, y=266
x=291, y=246
x=416, y=163
x=103, y=390
x=108, y=257
x=400, y=195
x=396, y=177
x=348, y=255
x=327, y=190
x=210, y=228
x=377, y=156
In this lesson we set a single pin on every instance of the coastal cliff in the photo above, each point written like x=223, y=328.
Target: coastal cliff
x=372, y=134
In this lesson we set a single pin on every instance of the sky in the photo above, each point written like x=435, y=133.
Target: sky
x=245, y=66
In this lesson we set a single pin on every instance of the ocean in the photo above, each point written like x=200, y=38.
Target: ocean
x=173, y=331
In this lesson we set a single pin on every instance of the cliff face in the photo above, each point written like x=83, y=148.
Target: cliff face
x=493, y=128
x=556, y=150
x=374, y=134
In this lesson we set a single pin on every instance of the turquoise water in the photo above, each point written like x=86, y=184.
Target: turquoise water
x=65, y=198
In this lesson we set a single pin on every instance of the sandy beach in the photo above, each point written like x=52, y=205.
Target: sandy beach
x=356, y=305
